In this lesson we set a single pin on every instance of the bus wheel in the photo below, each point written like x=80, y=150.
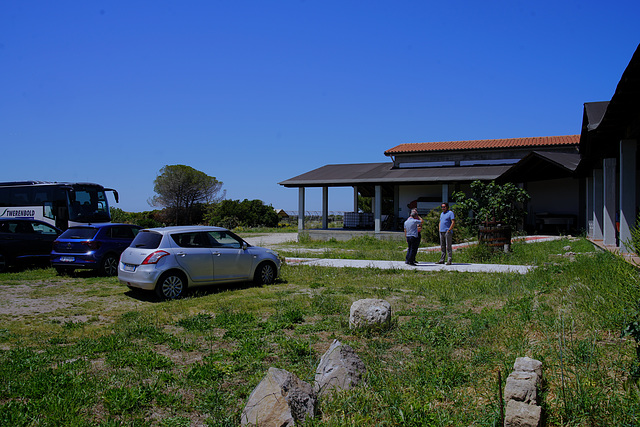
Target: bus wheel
x=109, y=265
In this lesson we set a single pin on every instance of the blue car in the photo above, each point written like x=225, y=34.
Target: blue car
x=96, y=247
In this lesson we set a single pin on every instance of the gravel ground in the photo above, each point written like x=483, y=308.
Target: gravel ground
x=270, y=240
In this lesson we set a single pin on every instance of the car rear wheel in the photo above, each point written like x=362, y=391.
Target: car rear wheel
x=3, y=264
x=171, y=286
x=109, y=265
x=265, y=274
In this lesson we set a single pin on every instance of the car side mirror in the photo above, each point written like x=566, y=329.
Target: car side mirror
x=244, y=246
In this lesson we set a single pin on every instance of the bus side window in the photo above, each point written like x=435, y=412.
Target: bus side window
x=40, y=197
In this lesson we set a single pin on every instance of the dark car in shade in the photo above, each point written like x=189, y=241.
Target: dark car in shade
x=25, y=241
x=96, y=247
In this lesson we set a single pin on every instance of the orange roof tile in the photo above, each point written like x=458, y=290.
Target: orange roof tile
x=540, y=141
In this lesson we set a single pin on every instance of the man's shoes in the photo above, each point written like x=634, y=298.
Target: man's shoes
x=449, y=262
x=412, y=263
x=440, y=262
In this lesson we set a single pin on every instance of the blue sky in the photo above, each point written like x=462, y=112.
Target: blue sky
x=256, y=92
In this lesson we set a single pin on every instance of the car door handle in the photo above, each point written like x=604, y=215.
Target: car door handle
x=182, y=254
x=217, y=253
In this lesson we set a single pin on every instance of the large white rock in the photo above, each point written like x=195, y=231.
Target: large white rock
x=281, y=399
x=370, y=313
x=340, y=368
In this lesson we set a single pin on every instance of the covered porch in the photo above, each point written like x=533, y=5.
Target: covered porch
x=391, y=190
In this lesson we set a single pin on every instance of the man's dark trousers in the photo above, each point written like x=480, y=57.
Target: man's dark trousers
x=413, y=243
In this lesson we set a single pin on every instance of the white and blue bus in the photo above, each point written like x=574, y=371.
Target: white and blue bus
x=62, y=204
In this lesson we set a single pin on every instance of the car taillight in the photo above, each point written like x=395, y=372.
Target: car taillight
x=155, y=257
x=92, y=245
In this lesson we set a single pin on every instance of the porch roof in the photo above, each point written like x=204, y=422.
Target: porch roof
x=542, y=165
x=342, y=175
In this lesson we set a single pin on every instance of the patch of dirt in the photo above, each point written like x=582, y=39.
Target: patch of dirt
x=18, y=301
x=28, y=299
x=271, y=239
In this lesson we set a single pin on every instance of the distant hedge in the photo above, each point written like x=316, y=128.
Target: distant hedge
x=246, y=213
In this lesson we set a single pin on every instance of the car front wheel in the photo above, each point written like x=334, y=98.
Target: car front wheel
x=265, y=274
x=109, y=265
x=3, y=264
x=171, y=286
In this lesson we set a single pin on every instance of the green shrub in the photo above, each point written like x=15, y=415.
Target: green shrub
x=634, y=243
x=246, y=213
x=462, y=231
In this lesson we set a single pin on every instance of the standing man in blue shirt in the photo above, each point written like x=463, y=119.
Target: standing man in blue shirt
x=447, y=221
x=412, y=229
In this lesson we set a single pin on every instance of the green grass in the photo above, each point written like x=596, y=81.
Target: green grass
x=368, y=247
x=80, y=351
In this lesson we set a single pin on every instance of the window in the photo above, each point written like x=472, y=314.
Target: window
x=123, y=232
x=147, y=240
x=224, y=239
x=192, y=240
x=44, y=228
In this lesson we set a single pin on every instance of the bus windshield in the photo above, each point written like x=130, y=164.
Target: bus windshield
x=88, y=204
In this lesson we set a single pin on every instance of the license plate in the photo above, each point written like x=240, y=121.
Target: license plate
x=129, y=267
x=67, y=259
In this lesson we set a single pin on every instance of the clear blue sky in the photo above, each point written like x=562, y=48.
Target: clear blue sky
x=256, y=92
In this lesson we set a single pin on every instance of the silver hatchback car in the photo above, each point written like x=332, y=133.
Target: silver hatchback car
x=169, y=260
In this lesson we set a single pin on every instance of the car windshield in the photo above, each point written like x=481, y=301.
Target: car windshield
x=147, y=240
x=83, y=233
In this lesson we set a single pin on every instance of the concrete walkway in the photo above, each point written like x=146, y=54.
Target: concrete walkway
x=275, y=239
x=421, y=266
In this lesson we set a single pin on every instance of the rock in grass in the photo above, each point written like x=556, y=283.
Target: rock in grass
x=281, y=399
x=521, y=386
x=527, y=364
x=370, y=313
x=340, y=368
x=520, y=414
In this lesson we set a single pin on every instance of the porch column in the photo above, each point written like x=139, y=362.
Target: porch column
x=355, y=198
x=598, y=204
x=609, y=214
x=445, y=193
x=325, y=208
x=396, y=206
x=300, y=209
x=627, y=191
x=589, y=206
x=378, y=209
